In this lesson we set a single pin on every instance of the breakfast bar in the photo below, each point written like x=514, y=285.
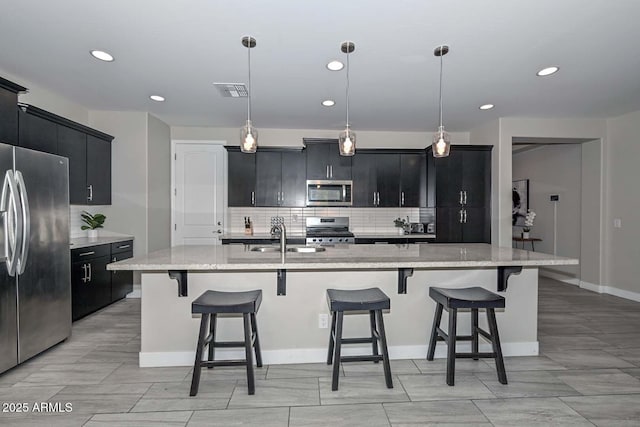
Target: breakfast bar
x=291, y=315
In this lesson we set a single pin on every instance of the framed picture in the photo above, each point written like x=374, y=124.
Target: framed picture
x=520, y=197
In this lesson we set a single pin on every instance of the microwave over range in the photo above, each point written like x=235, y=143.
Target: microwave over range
x=329, y=193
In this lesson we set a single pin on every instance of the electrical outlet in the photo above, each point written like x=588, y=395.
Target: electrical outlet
x=617, y=223
x=323, y=321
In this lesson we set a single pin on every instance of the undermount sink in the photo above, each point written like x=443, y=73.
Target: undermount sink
x=306, y=249
x=266, y=249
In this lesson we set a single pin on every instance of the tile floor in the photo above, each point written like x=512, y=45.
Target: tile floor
x=588, y=373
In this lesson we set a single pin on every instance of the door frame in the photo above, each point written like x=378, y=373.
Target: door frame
x=174, y=144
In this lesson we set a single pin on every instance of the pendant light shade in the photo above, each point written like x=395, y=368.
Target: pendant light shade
x=441, y=139
x=347, y=138
x=248, y=134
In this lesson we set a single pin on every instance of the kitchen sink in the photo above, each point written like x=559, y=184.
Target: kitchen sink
x=306, y=249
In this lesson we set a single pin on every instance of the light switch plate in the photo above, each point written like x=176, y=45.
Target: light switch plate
x=617, y=223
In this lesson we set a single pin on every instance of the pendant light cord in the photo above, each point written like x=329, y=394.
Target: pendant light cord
x=441, y=55
x=348, y=48
x=249, y=85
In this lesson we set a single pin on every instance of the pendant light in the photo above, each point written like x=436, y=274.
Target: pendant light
x=248, y=134
x=441, y=139
x=347, y=139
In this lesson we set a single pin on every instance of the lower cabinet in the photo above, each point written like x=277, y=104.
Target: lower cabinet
x=393, y=240
x=93, y=286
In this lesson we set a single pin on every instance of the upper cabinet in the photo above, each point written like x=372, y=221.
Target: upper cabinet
x=241, y=180
x=8, y=113
x=88, y=151
x=280, y=178
x=324, y=161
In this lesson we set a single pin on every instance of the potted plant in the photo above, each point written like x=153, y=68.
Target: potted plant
x=93, y=222
x=528, y=223
x=401, y=224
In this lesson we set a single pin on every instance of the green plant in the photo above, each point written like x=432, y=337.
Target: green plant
x=92, y=221
x=399, y=222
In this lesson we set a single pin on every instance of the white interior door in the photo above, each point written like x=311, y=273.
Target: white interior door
x=199, y=194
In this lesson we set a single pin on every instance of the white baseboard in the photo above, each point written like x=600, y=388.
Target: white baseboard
x=601, y=289
x=559, y=276
x=136, y=292
x=319, y=355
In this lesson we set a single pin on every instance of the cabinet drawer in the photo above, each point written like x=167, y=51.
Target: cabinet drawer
x=90, y=252
x=122, y=246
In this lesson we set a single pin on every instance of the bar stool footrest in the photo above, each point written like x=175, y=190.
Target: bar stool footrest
x=215, y=363
x=475, y=355
x=374, y=358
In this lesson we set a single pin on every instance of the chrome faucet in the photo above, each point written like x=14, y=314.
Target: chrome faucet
x=283, y=236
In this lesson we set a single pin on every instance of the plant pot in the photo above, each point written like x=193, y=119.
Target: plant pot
x=92, y=234
x=525, y=234
x=401, y=231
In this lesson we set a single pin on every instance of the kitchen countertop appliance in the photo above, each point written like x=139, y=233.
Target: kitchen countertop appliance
x=35, y=265
x=328, y=231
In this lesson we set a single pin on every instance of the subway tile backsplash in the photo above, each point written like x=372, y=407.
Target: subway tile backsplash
x=361, y=220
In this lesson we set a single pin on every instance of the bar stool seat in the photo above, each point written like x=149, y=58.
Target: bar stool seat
x=372, y=300
x=210, y=304
x=473, y=298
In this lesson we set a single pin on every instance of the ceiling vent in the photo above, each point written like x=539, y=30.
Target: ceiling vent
x=232, y=90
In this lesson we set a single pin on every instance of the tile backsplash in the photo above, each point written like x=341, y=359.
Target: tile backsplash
x=360, y=219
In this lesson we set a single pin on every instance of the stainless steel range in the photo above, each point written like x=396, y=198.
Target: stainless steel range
x=328, y=231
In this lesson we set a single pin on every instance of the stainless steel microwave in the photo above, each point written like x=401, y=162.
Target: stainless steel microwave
x=329, y=193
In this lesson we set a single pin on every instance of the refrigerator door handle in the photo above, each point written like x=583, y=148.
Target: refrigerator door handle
x=26, y=222
x=12, y=221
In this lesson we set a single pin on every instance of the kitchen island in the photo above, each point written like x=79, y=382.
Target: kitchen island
x=294, y=286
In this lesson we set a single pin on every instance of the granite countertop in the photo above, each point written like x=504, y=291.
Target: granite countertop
x=85, y=242
x=348, y=257
x=365, y=235
x=256, y=236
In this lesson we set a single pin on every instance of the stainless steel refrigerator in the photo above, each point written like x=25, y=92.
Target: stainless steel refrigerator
x=35, y=277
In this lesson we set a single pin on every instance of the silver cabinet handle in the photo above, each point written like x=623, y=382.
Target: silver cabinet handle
x=378, y=193
x=114, y=260
x=402, y=198
x=461, y=214
x=90, y=196
x=219, y=231
x=331, y=171
x=461, y=200
x=374, y=198
x=86, y=253
x=253, y=198
x=278, y=198
x=26, y=222
x=282, y=198
x=465, y=215
x=465, y=196
x=89, y=271
x=327, y=171
x=124, y=246
x=84, y=271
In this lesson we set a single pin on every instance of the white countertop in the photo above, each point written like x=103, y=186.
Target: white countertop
x=369, y=235
x=256, y=236
x=348, y=257
x=85, y=242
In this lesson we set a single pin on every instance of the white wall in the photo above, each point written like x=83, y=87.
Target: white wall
x=554, y=169
x=293, y=137
x=622, y=248
x=159, y=184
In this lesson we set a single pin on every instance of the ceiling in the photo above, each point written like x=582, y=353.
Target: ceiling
x=179, y=48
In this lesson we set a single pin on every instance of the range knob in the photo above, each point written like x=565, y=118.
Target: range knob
x=331, y=240
x=314, y=240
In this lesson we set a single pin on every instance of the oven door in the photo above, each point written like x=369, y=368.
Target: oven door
x=329, y=193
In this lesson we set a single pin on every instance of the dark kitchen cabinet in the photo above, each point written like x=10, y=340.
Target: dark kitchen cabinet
x=463, y=195
x=8, y=111
x=280, y=178
x=72, y=144
x=376, y=179
x=37, y=133
x=324, y=161
x=413, y=184
x=121, y=281
x=98, y=171
x=241, y=178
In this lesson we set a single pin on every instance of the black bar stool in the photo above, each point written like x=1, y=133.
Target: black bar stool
x=212, y=303
x=372, y=300
x=474, y=298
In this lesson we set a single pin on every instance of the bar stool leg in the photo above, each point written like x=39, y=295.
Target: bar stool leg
x=374, y=339
x=385, y=352
x=332, y=332
x=451, y=347
x=495, y=342
x=474, y=331
x=195, y=379
x=212, y=344
x=256, y=345
x=434, y=332
x=336, y=357
x=248, y=354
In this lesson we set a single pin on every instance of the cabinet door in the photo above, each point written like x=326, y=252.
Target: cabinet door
x=339, y=166
x=121, y=281
x=8, y=117
x=98, y=171
x=477, y=225
x=476, y=177
x=388, y=180
x=294, y=179
x=449, y=225
x=413, y=180
x=448, y=179
x=364, y=180
x=318, y=161
x=37, y=133
x=241, y=183
x=268, y=178
x=72, y=144
x=80, y=292
x=99, y=282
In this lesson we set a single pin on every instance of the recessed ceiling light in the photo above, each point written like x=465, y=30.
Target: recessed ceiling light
x=328, y=102
x=157, y=98
x=102, y=55
x=547, y=71
x=487, y=106
x=335, y=65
